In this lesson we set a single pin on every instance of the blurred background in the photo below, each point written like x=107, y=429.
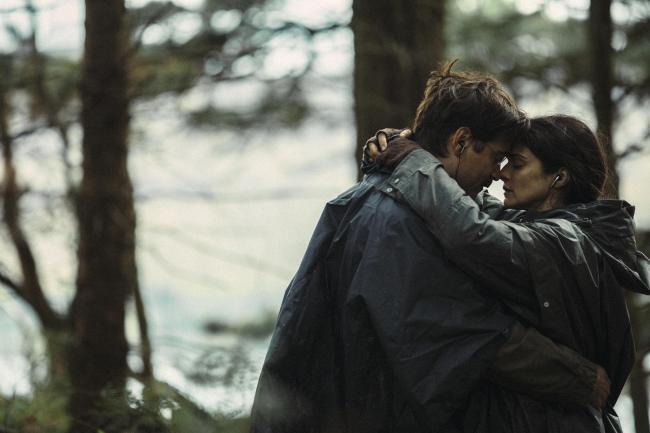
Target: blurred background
x=164, y=165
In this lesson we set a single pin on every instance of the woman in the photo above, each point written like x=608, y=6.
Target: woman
x=555, y=255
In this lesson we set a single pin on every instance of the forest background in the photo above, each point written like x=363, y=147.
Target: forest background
x=164, y=164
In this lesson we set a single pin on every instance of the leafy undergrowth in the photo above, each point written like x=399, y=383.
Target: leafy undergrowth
x=165, y=410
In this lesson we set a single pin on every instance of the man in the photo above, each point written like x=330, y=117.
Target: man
x=378, y=332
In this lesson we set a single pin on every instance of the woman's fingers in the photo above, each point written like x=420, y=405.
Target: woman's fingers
x=371, y=150
x=382, y=138
x=379, y=143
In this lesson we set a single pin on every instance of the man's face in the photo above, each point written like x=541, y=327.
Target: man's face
x=477, y=169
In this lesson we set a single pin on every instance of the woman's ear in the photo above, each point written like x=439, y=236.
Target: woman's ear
x=561, y=179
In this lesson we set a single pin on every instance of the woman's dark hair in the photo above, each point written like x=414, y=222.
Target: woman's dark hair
x=465, y=99
x=566, y=142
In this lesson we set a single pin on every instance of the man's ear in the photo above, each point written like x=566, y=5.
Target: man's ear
x=459, y=140
x=561, y=178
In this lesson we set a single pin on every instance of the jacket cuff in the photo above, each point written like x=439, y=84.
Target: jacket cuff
x=532, y=364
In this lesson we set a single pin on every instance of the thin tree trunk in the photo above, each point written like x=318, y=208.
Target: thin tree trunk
x=639, y=377
x=106, y=251
x=396, y=45
x=29, y=289
x=639, y=380
x=600, y=37
x=600, y=40
x=145, y=341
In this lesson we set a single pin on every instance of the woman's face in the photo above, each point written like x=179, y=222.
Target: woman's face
x=525, y=184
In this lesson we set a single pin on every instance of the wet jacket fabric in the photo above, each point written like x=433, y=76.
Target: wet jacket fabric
x=363, y=343
x=563, y=272
x=379, y=332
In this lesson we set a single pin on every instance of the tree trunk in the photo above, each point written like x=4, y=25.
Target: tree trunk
x=392, y=61
x=600, y=37
x=639, y=378
x=106, y=252
x=600, y=40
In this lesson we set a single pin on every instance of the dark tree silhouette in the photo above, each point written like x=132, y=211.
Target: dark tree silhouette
x=106, y=252
x=396, y=45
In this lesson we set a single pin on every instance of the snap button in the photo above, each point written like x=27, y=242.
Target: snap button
x=389, y=189
x=546, y=304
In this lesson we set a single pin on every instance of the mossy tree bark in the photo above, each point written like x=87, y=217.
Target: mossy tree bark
x=106, y=220
x=396, y=43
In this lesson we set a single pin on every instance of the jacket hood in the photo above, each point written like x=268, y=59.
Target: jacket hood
x=610, y=224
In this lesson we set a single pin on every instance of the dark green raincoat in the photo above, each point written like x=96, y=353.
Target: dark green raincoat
x=563, y=272
x=378, y=331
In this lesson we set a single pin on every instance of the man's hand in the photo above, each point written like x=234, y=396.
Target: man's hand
x=600, y=390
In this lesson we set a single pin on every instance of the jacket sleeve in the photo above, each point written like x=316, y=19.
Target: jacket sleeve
x=492, y=251
x=489, y=204
x=532, y=364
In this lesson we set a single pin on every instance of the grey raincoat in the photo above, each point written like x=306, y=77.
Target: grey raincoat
x=563, y=272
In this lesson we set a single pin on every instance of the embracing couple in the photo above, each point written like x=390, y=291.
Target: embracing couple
x=423, y=304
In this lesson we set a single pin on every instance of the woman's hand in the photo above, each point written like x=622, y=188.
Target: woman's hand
x=389, y=147
x=378, y=143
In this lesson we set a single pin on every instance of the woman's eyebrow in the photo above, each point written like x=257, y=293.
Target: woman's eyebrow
x=518, y=156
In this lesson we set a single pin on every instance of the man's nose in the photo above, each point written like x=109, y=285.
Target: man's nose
x=496, y=173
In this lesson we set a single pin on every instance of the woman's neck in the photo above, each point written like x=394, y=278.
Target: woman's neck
x=552, y=201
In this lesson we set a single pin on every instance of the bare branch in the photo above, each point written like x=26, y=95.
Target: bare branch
x=44, y=98
x=24, y=8
x=30, y=290
x=8, y=282
x=631, y=150
x=310, y=31
x=27, y=132
x=143, y=327
x=28, y=7
x=160, y=13
x=636, y=148
x=270, y=195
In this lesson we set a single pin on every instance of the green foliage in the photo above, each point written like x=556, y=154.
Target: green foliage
x=157, y=71
x=518, y=47
x=165, y=410
x=284, y=113
x=283, y=105
x=532, y=48
x=151, y=13
x=43, y=411
x=61, y=79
